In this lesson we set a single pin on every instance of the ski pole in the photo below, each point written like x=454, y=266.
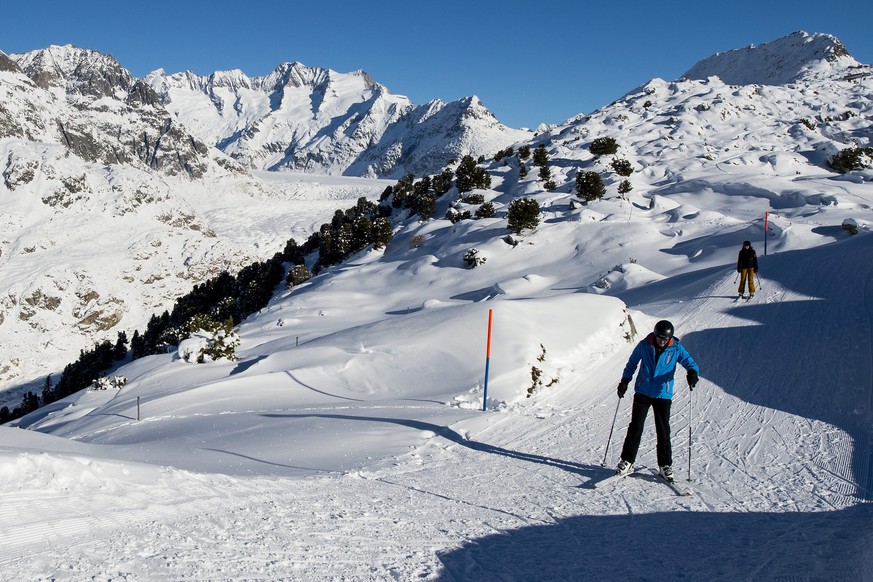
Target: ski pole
x=758, y=279
x=609, y=440
x=690, y=420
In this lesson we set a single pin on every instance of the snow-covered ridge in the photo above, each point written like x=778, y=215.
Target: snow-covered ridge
x=76, y=70
x=318, y=120
x=796, y=57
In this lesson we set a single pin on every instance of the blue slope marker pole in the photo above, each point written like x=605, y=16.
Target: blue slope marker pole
x=766, y=228
x=487, y=362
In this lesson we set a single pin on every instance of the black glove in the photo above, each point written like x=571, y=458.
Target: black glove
x=692, y=379
x=756, y=271
x=622, y=387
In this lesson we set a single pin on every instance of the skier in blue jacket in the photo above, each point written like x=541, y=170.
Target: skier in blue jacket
x=657, y=354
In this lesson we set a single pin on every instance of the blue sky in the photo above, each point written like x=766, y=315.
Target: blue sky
x=529, y=62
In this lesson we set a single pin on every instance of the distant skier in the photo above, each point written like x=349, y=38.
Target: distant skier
x=747, y=266
x=659, y=352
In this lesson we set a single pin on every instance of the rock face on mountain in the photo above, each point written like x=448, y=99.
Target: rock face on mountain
x=796, y=57
x=316, y=120
x=105, y=115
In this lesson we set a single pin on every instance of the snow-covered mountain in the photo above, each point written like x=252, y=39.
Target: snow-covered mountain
x=349, y=440
x=797, y=57
x=319, y=121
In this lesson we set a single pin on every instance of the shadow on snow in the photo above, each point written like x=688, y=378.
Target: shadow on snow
x=675, y=546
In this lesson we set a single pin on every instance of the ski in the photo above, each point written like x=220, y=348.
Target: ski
x=611, y=480
x=672, y=485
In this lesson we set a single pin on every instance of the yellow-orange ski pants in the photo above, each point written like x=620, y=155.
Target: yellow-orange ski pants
x=747, y=275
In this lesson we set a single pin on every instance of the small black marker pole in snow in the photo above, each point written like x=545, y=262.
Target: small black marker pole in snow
x=608, y=440
x=137, y=408
x=690, y=420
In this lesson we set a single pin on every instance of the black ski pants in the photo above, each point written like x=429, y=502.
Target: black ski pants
x=661, y=410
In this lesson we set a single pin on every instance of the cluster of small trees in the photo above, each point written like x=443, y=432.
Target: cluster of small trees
x=541, y=159
x=220, y=298
x=78, y=375
x=85, y=371
x=29, y=403
x=351, y=231
x=470, y=175
x=589, y=185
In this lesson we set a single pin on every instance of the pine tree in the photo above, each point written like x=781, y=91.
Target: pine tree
x=48, y=395
x=442, y=182
x=624, y=187
x=524, y=152
x=622, y=167
x=465, y=174
x=540, y=156
x=590, y=186
x=523, y=213
x=603, y=146
x=485, y=211
x=120, y=346
x=383, y=232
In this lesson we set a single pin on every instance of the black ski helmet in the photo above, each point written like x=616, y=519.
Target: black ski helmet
x=664, y=329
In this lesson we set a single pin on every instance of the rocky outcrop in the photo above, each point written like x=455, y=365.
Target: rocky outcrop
x=110, y=117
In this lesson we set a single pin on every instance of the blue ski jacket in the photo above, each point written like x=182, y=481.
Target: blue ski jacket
x=655, y=379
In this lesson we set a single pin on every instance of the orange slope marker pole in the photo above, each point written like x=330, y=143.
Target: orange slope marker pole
x=487, y=361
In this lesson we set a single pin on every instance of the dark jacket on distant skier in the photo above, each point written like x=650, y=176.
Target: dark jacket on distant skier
x=657, y=368
x=748, y=258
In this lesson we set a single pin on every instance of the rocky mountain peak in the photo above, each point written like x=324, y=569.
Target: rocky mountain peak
x=796, y=57
x=76, y=70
